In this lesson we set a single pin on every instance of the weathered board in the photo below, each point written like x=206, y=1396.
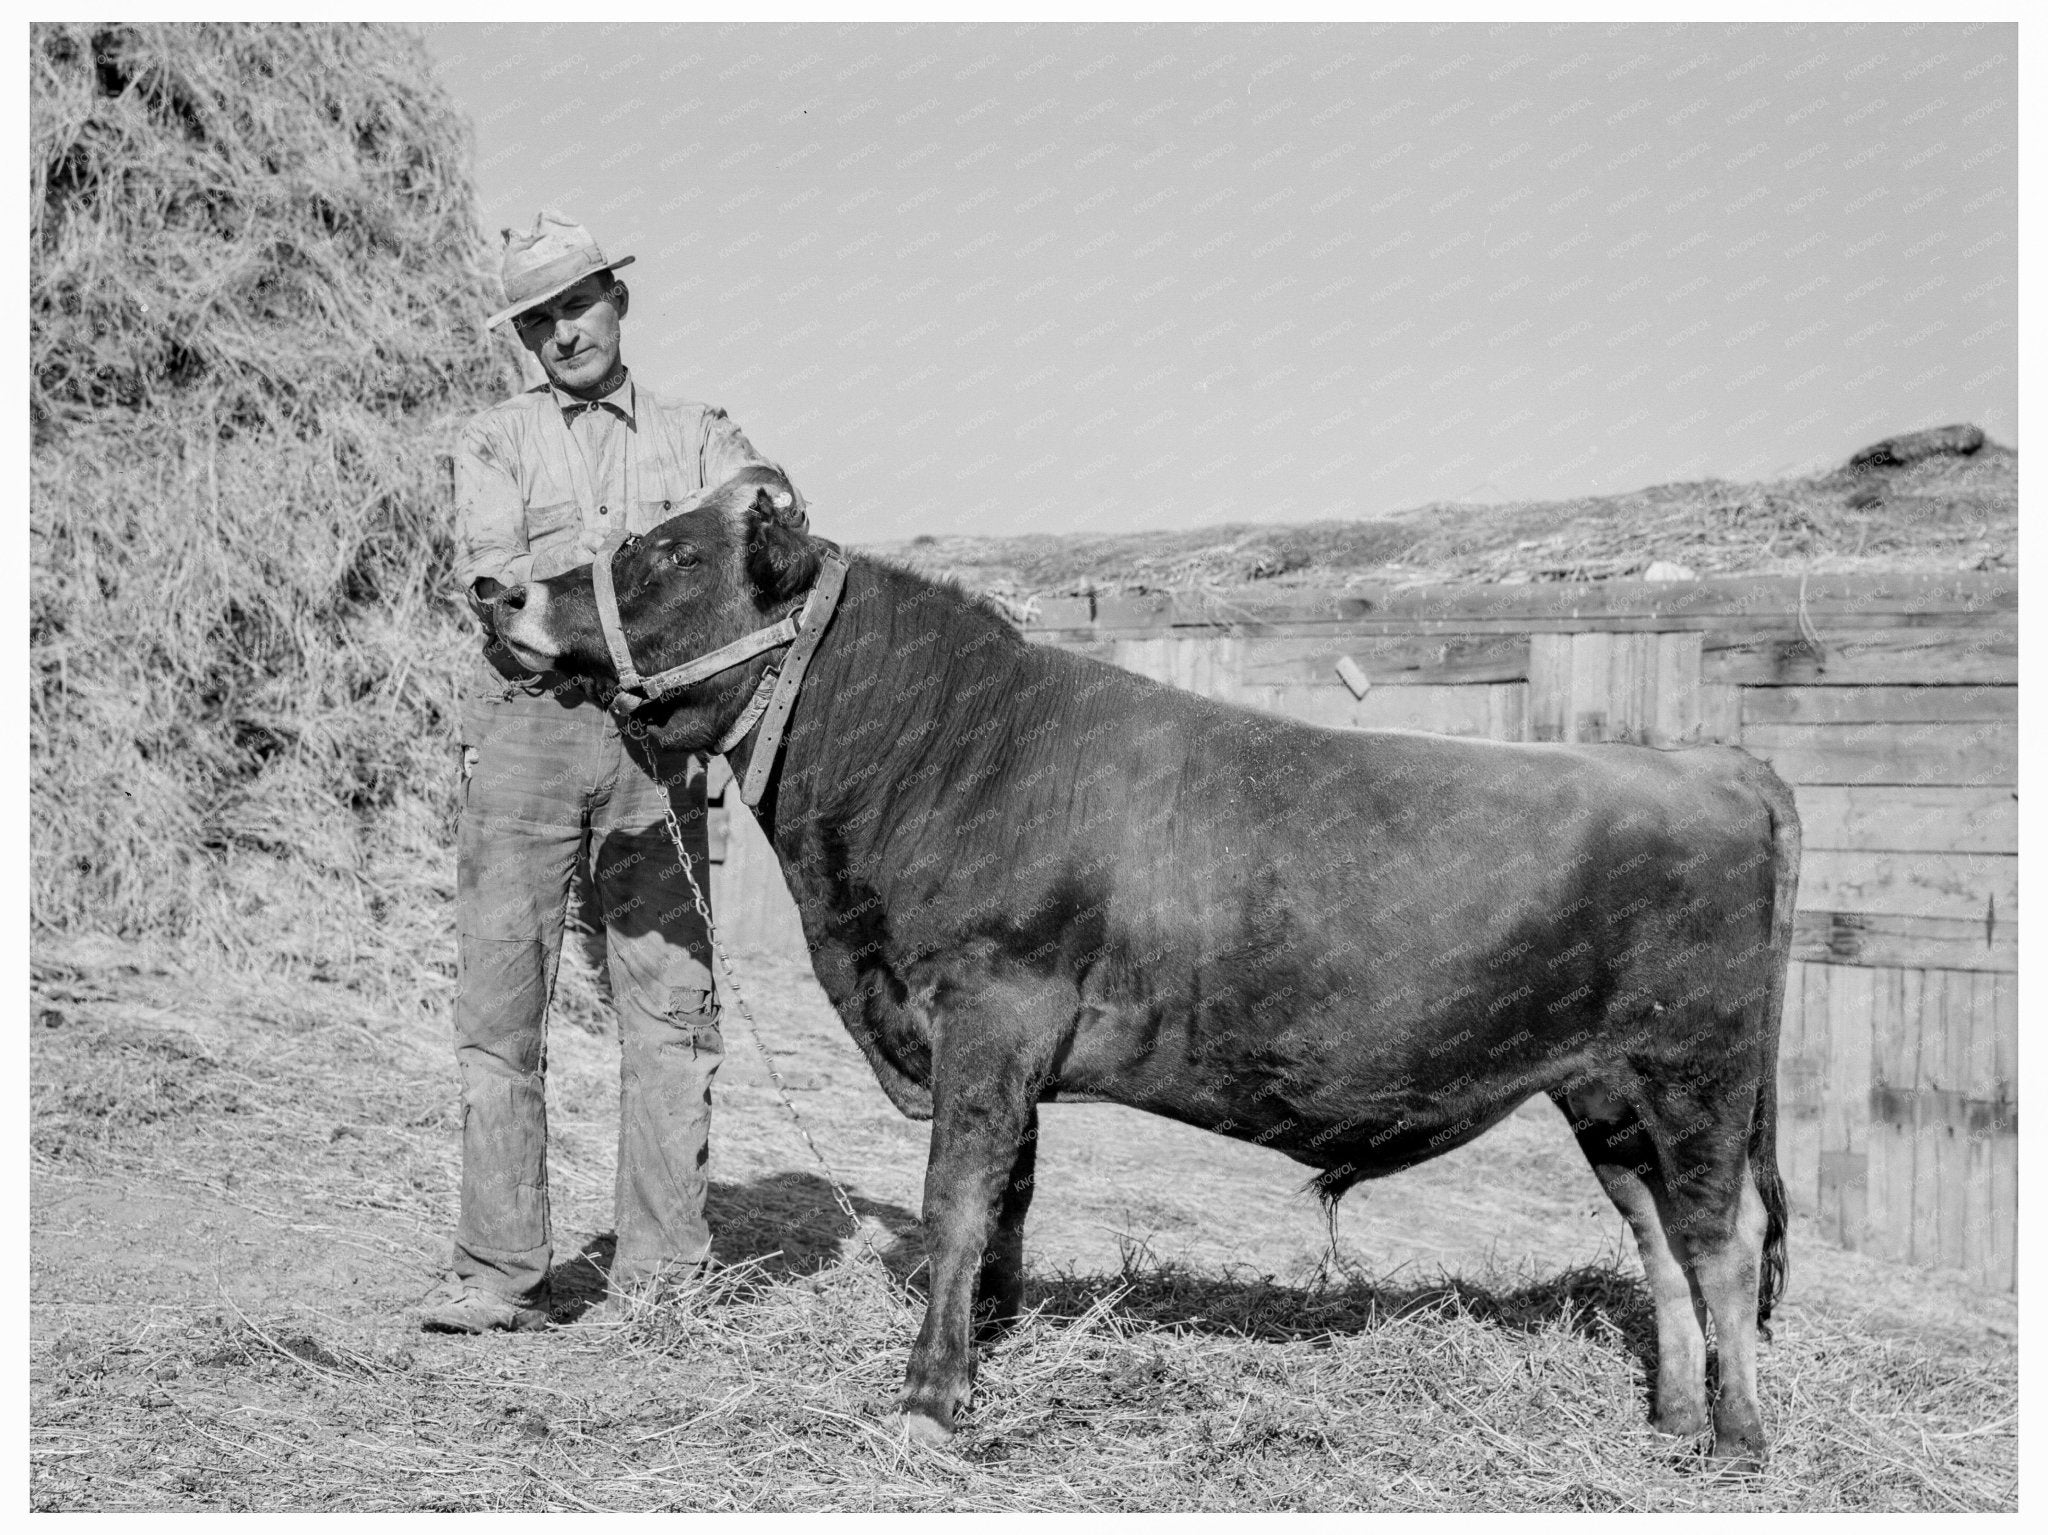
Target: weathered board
x=1643, y=688
x=1946, y=752
x=1865, y=656
x=1873, y=938
x=1919, y=818
x=1388, y=660
x=1721, y=602
x=750, y=900
x=1876, y=706
x=1481, y=709
x=1983, y=887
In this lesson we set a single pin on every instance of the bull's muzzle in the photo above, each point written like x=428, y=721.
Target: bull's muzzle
x=519, y=615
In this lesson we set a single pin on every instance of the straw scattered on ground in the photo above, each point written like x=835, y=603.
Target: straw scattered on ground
x=241, y=1185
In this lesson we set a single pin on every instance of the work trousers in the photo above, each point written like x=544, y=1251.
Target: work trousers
x=545, y=770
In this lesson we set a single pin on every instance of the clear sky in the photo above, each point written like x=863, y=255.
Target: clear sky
x=1052, y=278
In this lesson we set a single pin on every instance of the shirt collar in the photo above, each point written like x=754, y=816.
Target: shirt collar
x=622, y=402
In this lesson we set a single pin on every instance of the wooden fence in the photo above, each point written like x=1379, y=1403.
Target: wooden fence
x=1888, y=702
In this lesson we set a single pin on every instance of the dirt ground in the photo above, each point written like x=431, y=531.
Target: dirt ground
x=241, y=1184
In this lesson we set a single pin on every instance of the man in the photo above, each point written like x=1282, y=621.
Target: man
x=543, y=482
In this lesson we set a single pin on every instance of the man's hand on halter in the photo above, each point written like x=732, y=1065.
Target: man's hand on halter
x=481, y=594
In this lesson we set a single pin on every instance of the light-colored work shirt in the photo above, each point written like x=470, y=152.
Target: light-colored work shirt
x=517, y=517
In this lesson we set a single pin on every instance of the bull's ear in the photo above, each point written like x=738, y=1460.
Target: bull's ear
x=780, y=560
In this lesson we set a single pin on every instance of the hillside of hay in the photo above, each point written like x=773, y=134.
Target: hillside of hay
x=1944, y=512
x=255, y=280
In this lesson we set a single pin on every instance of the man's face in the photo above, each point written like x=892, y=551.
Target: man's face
x=575, y=334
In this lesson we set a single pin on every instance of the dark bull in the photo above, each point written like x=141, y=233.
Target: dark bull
x=1027, y=876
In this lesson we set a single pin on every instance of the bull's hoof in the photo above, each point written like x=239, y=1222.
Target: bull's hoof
x=1688, y=1420
x=919, y=1427
x=1737, y=1458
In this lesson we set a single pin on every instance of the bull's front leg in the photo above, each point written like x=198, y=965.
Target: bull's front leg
x=1000, y=1298
x=990, y=1061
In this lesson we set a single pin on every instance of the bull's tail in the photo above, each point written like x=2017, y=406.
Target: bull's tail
x=1763, y=1129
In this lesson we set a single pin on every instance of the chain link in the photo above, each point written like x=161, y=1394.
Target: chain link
x=845, y=1200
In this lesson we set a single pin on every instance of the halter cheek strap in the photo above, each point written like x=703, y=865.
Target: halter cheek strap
x=634, y=689
x=774, y=695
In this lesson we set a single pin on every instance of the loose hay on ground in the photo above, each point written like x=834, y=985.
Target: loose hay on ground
x=1159, y=1384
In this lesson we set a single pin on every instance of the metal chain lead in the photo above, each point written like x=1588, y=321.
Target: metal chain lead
x=675, y=832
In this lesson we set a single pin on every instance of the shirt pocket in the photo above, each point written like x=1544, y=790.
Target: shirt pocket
x=651, y=513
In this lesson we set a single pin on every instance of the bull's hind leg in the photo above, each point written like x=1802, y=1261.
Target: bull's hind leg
x=990, y=1059
x=1722, y=1231
x=1716, y=1220
x=1618, y=1145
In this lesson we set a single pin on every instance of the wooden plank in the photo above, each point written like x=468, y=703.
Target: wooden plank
x=1675, y=716
x=1134, y=610
x=1396, y=660
x=1927, y=1128
x=1550, y=684
x=1895, y=1004
x=1867, y=938
x=1061, y=613
x=1956, y=752
x=1872, y=706
x=1980, y=1083
x=1507, y=710
x=1631, y=684
x=1866, y=657
x=1753, y=626
x=1720, y=713
x=1459, y=711
x=1152, y=657
x=1983, y=887
x=751, y=898
x=1952, y=1145
x=1588, y=701
x=2005, y=1146
x=1845, y=1105
x=1909, y=818
x=1578, y=601
x=1212, y=667
x=1801, y=1074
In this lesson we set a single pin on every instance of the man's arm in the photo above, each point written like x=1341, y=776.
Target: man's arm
x=490, y=517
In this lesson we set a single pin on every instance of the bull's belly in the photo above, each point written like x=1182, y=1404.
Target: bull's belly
x=1350, y=1148
x=1367, y=1111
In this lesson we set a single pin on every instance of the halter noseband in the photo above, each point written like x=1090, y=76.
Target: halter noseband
x=775, y=694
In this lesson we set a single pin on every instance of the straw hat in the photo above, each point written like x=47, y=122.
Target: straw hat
x=558, y=254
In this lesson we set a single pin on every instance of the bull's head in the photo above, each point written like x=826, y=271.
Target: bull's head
x=699, y=581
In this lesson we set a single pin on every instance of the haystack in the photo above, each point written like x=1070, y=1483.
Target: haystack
x=255, y=280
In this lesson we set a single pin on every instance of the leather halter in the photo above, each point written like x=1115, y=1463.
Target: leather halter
x=775, y=694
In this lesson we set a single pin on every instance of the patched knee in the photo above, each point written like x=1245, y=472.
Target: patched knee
x=688, y=1002
x=690, y=1017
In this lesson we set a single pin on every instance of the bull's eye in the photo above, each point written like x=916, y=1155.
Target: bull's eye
x=683, y=558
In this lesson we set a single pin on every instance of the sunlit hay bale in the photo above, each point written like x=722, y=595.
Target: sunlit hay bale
x=255, y=281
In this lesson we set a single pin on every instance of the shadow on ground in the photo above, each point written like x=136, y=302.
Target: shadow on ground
x=784, y=1226
x=1591, y=1301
